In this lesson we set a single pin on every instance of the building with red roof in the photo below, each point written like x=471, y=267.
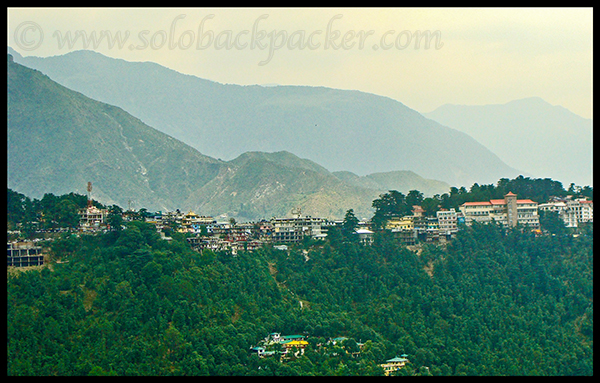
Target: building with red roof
x=509, y=211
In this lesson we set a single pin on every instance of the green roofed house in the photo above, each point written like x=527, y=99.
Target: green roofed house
x=262, y=352
x=293, y=337
x=394, y=364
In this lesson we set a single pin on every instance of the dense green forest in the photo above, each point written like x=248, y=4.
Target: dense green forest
x=493, y=302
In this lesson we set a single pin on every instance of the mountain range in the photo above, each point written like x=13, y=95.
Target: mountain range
x=59, y=139
x=342, y=130
x=544, y=140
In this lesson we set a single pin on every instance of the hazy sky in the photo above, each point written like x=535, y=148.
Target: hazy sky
x=423, y=58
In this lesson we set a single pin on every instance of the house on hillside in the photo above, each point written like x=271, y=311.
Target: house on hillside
x=394, y=364
x=365, y=236
x=293, y=347
x=92, y=219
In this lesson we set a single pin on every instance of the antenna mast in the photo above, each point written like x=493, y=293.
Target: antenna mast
x=89, y=190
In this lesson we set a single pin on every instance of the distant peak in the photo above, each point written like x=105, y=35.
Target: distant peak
x=529, y=101
x=13, y=53
x=269, y=85
x=523, y=102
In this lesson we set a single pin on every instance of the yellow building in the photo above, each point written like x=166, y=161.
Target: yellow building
x=294, y=347
x=406, y=223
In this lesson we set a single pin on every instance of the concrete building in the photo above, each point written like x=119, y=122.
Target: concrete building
x=22, y=254
x=294, y=229
x=572, y=212
x=582, y=209
x=447, y=221
x=509, y=211
x=406, y=223
x=92, y=218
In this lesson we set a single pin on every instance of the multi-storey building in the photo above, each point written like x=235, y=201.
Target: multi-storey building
x=392, y=365
x=509, y=211
x=92, y=218
x=572, y=212
x=447, y=221
x=294, y=229
x=582, y=209
x=21, y=254
x=406, y=223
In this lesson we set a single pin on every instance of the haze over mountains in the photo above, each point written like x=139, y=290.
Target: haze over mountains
x=542, y=139
x=323, y=150
x=339, y=129
x=59, y=139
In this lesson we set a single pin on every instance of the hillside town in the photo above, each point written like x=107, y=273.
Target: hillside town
x=206, y=232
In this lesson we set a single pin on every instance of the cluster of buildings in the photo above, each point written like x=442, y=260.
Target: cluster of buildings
x=511, y=211
x=207, y=233
x=417, y=227
x=288, y=346
x=284, y=346
x=572, y=211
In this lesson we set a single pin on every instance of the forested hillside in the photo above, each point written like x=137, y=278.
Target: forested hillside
x=129, y=303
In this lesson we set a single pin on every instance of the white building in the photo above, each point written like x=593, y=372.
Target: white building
x=365, y=236
x=509, y=211
x=294, y=229
x=447, y=221
x=92, y=218
x=572, y=212
x=582, y=209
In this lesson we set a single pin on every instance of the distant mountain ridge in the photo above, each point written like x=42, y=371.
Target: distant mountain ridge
x=59, y=139
x=339, y=129
x=547, y=141
x=401, y=180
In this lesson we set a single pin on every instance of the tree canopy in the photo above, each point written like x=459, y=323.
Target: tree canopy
x=128, y=303
x=493, y=301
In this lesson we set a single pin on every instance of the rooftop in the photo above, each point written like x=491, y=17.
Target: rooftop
x=525, y=201
x=483, y=203
x=497, y=202
x=397, y=359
